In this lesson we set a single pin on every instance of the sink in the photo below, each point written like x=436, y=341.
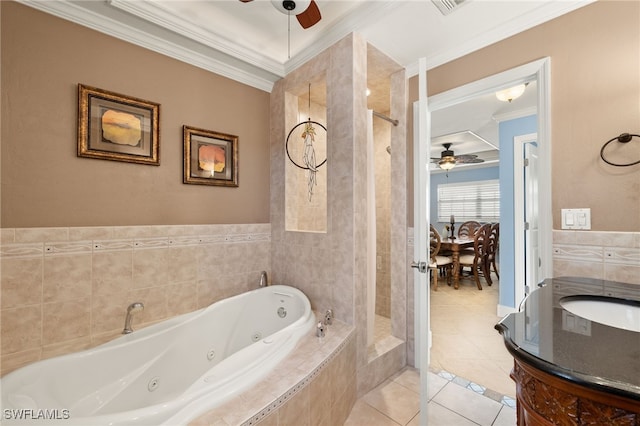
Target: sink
x=611, y=311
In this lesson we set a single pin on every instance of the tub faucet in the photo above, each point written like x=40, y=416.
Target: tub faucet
x=264, y=279
x=133, y=308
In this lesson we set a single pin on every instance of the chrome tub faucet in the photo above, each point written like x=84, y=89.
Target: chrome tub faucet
x=133, y=309
x=264, y=279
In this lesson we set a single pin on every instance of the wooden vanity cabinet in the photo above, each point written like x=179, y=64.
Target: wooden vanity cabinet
x=546, y=400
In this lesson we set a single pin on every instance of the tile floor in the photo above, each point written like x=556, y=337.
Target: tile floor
x=468, y=380
x=397, y=402
x=465, y=341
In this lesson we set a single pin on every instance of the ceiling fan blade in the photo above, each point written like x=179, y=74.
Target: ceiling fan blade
x=309, y=17
x=466, y=157
x=469, y=159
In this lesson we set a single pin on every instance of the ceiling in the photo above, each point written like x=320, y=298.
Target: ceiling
x=256, y=44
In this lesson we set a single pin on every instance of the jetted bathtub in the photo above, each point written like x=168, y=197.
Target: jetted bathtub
x=168, y=373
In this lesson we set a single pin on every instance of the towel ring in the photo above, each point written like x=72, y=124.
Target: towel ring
x=623, y=138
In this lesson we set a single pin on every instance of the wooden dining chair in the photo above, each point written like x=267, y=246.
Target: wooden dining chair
x=477, y=261
x=492, y=245
x=468, y=229
x=438, y=262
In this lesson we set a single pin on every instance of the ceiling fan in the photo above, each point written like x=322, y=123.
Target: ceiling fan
x=306, y=11
x=448, y=159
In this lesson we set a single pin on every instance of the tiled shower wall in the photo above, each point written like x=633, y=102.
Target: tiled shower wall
x=381, y=140
x=67, y=289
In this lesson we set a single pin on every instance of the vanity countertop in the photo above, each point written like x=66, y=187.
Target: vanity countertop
x=564, y=345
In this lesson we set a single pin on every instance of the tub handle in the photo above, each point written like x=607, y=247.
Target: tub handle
x=328, y=317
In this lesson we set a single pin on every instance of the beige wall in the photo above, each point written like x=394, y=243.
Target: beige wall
x=44, y=183
x=595, y=96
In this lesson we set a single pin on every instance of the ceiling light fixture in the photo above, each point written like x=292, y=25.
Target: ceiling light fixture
x=447, y=163
x=507, y=95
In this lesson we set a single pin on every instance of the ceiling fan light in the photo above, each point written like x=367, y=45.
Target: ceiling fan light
x=511, y=93
x=447, y=163
x=299, y=6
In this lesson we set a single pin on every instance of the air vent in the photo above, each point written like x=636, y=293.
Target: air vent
x=448, y=6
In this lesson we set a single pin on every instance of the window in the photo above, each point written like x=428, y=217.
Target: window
x=469, y=201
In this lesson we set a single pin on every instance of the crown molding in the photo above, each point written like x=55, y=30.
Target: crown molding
x=157, y=14
x=244, y=73
x=525, y=112
x=152, y=27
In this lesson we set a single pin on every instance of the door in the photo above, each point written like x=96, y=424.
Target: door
x=526, y=216
x=531, y=244
x=421, y=149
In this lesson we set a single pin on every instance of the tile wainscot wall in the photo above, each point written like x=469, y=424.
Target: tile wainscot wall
x=613, y=256
x=67, y=289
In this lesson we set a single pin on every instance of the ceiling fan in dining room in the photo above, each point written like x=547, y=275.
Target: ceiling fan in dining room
x=306, y=11
x=448, y=159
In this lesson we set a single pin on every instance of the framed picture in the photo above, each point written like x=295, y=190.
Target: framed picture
x=210, y=158
x=117, y=127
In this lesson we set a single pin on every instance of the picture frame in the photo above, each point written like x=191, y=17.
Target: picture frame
x=117, y=127
x=210, y=158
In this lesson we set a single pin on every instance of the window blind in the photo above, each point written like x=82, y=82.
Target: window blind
x=478, y=200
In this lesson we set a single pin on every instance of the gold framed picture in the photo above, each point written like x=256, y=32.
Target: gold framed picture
x=117, y=127
x=210, y=158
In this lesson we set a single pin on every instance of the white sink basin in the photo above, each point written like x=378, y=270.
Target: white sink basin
x=609, y=311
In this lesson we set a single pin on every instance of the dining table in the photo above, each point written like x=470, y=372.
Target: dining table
x=455, y=246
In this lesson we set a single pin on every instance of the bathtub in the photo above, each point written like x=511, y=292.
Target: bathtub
x=168, y=373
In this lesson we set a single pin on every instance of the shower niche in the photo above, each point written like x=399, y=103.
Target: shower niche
x=306, y=157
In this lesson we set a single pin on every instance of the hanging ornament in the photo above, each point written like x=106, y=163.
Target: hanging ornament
x=309, y=156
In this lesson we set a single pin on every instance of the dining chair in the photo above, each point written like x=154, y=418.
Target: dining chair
x=438, y=262
x=477, y=261
x=492, y=250
x=468, y=229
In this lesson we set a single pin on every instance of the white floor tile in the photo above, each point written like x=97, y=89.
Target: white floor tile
x=506, y=417
x=469, y=404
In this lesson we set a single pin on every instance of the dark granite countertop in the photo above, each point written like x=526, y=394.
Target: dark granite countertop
x=562, y=344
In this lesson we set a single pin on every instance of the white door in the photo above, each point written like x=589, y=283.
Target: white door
x=421, y=149
x=526, y=216
x=531, y=234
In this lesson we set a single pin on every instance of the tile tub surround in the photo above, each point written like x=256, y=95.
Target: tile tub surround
x=67, y=289
x=315, y=384
x=613, y=256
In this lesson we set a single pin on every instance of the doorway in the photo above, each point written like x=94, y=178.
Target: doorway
x=537, y=71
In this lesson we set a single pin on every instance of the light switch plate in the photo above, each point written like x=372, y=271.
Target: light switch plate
x=576, y=218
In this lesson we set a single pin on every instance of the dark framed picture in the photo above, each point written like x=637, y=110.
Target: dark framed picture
x=117, y=127
x=210, y=158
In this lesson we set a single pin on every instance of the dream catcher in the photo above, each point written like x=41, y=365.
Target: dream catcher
x=306, y=130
